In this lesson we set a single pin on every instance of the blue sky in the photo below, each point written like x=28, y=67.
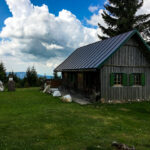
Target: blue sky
x=4, y=12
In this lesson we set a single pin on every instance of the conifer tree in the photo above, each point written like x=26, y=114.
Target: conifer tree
x=31, y=76
x=3, y=76
x=120, y=16
x=34, y=76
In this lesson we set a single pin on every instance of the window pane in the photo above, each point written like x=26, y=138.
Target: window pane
x=118, y=78
x=137, y=78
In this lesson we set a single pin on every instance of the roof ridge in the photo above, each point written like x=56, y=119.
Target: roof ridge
x=134, y=30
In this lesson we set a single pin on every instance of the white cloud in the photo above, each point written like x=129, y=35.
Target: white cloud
x=52, y=46
x=96, y=18
x=145, y=9
x=34, y=35
x=93, y=8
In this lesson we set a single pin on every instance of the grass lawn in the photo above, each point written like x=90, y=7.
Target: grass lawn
x=31, y=120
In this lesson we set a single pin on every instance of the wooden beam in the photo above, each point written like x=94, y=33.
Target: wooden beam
x=127, y=66
x=79, y=70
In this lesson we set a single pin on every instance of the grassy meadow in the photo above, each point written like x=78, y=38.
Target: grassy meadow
x=31, y=120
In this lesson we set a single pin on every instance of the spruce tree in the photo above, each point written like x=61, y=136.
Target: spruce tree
x=120, y=16
x=3, y=76
x=31, y=76
x=34, y=76
x=28, y=77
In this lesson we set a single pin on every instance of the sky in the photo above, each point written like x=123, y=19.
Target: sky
x=43, y=33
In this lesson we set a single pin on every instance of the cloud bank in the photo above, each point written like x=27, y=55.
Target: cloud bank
x=35, y=36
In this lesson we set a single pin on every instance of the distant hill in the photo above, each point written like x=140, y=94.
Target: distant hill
x=21, y=75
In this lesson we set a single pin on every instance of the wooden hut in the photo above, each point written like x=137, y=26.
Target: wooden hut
x=117, y=68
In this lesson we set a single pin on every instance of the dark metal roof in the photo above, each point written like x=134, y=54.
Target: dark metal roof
x=94, y=55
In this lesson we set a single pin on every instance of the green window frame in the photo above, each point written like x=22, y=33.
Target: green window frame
x=112, y=79
x=137, y=79
x=131, y=79
x=143, y=79
x=118, y=79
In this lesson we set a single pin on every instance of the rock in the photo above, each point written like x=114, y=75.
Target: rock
x=102, y=100
x=47, y=89
x=120, y=146
x=1, y=86
x=56, y=94
x=67, y=98
x=1, y=89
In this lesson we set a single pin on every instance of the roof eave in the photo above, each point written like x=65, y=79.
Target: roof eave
x=77, y=70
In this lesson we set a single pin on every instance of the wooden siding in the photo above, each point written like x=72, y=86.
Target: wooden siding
x=129, y=59
x=80, y=80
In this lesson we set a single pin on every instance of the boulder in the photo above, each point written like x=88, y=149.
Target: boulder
x=1, y=86
x=67, y=98
x=120, y=146
x=56, y=94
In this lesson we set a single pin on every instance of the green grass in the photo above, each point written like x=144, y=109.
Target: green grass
x=31, y=120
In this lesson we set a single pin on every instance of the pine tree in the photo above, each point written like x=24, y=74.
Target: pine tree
x=3, y=76
x=27, y=78
x=31, y=76
x=34, y=76
x=120, y=16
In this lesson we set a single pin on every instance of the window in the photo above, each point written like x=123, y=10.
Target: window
x=137, y=79
x=134, y=79
x=118, y=79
